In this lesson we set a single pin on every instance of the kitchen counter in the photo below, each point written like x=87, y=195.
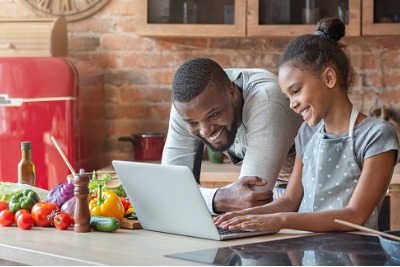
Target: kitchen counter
x=212, y=174
x=50, y=246
x=394, y=192
x=396, y=175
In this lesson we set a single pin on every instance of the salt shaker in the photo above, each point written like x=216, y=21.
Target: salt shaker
x=82, y=213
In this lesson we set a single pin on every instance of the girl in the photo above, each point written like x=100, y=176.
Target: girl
x=344, y=160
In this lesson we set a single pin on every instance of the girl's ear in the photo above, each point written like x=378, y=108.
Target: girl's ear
x=330, y=77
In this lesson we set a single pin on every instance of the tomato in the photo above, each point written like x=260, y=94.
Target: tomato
x=126, y=203
x=42, y=212
x=25, y=221
x=6, y=218
x=62, y=220
x=19, y=212
x=3, y=205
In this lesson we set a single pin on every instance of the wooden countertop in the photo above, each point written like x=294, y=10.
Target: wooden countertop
x=227, y=172
x=210, y=172
x=224, y=172
x=50, y=246
x=396, y=175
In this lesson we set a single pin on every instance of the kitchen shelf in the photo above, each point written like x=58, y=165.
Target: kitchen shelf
x=380, y=17
x=226, y=18
x=293, y=23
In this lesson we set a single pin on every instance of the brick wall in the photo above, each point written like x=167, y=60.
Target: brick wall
x=138, y=70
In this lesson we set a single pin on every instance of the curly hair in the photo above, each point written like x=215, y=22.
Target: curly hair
x=316, y=52
x=193, y=76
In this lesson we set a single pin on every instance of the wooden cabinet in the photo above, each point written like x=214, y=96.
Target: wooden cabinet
x=21, y=37
x=298, y=17
x=242, y=18
x=192, y=18
x=380, y=17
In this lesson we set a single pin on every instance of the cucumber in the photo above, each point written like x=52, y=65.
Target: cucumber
x=104, y=224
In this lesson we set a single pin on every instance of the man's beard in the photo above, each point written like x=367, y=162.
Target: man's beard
x=230, y=135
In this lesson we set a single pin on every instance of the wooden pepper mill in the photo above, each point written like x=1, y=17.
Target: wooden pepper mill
x=82, y=213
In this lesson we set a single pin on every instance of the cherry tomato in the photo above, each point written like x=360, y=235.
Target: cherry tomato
x=62, y=220
x=42, y=213
x=25, y=221
x=19, y=212
x=6, y=218
x=3, y=205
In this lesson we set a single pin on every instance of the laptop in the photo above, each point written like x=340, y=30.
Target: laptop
x=166, y=198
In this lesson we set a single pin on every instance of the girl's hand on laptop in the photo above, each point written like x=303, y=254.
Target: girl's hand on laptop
x=227, y=216
x=265, y=222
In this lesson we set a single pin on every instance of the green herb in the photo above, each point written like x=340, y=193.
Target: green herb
x=94, y=185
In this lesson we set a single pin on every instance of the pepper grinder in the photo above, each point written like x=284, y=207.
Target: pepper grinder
x=82, y=213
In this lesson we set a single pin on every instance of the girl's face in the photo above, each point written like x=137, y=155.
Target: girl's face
x=308, y=95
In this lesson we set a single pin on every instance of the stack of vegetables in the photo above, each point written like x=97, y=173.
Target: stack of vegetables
x=108, y=206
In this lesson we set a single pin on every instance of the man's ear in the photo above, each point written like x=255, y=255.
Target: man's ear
x=330, y=77
x=232, y=90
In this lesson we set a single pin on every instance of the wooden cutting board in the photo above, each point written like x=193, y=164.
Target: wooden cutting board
x=130, y=224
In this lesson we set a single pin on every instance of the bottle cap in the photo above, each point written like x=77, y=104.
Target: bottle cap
x=26, y=145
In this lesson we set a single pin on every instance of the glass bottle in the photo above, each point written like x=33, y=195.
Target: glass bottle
x=26, y=167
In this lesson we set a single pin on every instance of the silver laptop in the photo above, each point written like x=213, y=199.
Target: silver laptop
x=167, y=199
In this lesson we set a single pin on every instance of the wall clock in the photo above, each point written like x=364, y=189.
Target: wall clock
x=70, y=9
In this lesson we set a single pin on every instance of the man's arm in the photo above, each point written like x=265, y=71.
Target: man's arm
x=271, y=128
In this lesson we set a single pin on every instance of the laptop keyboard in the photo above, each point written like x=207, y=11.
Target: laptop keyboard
x=230, y=232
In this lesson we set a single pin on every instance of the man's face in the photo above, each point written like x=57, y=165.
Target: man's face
x=212, y=116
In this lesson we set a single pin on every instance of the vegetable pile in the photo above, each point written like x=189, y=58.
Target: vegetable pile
x=26, y=205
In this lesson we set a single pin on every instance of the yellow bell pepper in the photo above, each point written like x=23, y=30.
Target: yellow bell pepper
x=107, y=204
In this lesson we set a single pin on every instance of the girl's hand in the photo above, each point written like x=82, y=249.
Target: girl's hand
x=227, y=216
x=268, y=222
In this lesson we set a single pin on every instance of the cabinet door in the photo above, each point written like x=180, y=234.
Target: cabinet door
x=381, y=17
x=192, y=18
x=294, y=17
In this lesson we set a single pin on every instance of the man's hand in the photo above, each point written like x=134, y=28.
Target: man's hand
x=245, y=193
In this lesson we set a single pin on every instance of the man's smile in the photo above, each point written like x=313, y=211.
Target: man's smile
x=215, y=137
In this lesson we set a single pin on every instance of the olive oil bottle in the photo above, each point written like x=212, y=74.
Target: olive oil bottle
x=26, y=167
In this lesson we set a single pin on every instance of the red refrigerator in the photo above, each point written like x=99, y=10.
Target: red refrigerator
x=39, y=98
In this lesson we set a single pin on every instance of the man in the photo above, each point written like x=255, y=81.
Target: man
x=241, y=112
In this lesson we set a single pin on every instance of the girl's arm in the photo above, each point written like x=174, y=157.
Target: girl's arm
x=371, y=187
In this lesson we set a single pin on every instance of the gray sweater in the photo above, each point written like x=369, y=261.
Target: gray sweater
x=263, y=139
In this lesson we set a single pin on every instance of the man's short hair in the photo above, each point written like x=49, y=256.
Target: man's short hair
x=193, y=76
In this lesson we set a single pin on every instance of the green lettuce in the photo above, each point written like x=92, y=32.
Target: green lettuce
x=8, y=190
